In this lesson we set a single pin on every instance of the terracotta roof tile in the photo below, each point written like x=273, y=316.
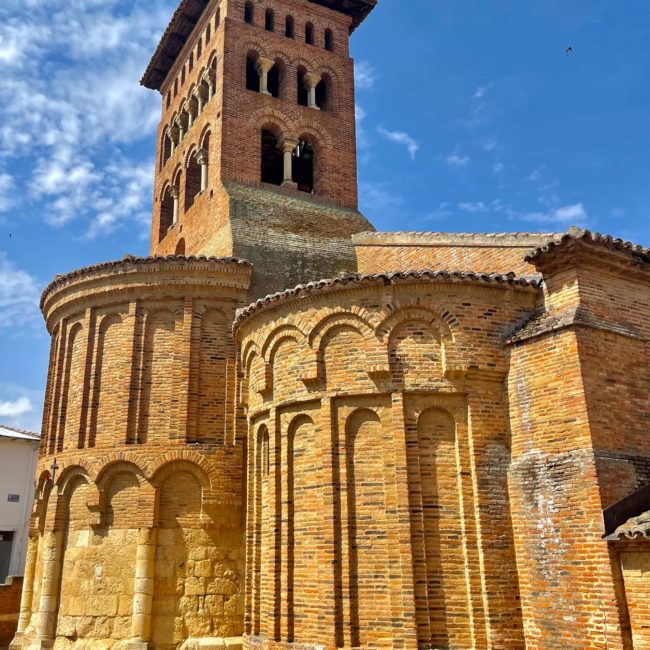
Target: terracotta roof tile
x=574, y=233
x=344, y=281
x=133, y=260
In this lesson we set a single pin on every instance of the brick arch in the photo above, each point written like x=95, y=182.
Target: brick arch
x=334, y=86
x=337, y=319
x=317, y=134
x=187, y=156
x=409, y=314
x=79, y=466
x=269, y=116
x=177, y=172
x=310, y=64
x=119, y=466
x=251, y=348
x=181, y=461
x=442, y=309
x=278, y=335
x=207, y=130
x=149, y=312
x=254, y=43
x=165, y=188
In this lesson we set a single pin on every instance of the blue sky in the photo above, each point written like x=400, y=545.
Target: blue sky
x=471, y=118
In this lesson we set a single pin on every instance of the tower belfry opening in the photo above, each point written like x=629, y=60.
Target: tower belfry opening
x=272, y=162
x=303, y=166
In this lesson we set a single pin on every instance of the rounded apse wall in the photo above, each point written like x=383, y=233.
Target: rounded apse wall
x=138, y=532
x=377, y=456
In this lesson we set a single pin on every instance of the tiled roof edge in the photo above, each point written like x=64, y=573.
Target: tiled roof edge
x=31, y=434
x=518, y=239
x=575, y=233
x=131, y=259
x=356, y=279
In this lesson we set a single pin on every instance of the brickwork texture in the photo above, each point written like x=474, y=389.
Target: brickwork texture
x=415, y=454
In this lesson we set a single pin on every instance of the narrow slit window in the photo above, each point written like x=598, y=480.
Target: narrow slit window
x=249, y=13
x=309, y=33
x=329, y=40
x=290, y=27
x=269, y=20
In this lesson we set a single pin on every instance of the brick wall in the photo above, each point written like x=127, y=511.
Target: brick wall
x=378, y=451
x=10, y=594
x=482, y=253
x=141, y=418
x=579, y=412
x=289, y=236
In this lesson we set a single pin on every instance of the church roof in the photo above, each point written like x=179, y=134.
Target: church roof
x=574, y=234
x=17, y=434
x=350, y=280
x=188, y=14
x=629, y=518
x=130, y=260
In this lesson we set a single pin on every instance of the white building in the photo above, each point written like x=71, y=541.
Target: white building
x=18, y=457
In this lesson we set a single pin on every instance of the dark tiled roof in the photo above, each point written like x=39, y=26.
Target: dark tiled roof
x=143, y=261
x=629, y=518
x=188, y=14
x=21, y=432
x=574, y=234
x=356, y=279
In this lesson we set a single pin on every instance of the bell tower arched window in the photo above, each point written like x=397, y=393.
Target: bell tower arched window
x=303, y=166
x=329, y=40
x=274, y=79
x=192, y=181
x=272, y=160
x=309, y=33
x=323, y=89
x=303, y=93
x=252, y=75
x=166, y=213
x=249, y=13
x=269, y=20
x=289, y=27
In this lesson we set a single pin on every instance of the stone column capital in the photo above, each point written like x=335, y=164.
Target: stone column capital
x=312, y=79
x=202, y=156
x=264, y=65
x=210, y=75
x=288, y=144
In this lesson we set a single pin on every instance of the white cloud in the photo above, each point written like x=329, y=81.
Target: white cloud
x=456, y=159
x=567, y=215
x=6, y=195
x=498, y=167
x=441, y=213
x=481, y=91
x=365, y=75
x=21, y=407
x=534, y=176
x=402, y=138
x=69, y=91
x=473, y=207
x=377, y=198
x=15, y=408
x=19, y=296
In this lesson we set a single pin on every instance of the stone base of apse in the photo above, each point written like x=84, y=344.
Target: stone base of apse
x=210, y=643
x=213, y=643
x=264, y=643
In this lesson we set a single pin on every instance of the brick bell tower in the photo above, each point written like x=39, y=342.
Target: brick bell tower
x=256, y=154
